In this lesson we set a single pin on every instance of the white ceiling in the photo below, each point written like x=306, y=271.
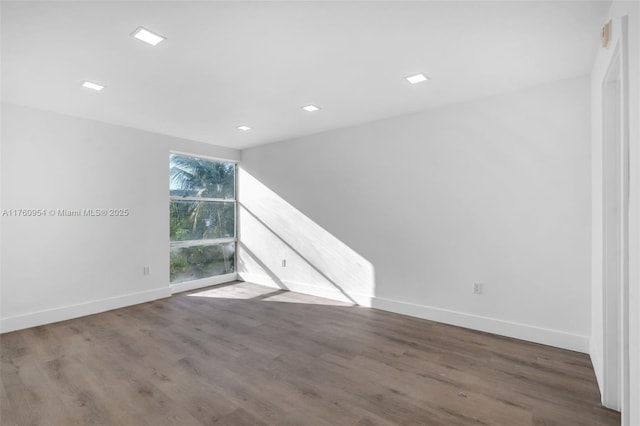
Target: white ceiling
x=226, y=64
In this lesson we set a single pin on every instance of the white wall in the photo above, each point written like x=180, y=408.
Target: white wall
x=495, y=191
x=618, y=10
x=55, y=268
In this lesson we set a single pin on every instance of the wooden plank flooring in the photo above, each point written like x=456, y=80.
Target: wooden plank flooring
x=243, y=354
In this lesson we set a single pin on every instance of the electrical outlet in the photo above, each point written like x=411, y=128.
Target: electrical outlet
x=145, y=270
x=477, y=288
x=284, y=263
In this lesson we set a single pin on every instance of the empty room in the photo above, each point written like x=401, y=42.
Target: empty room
x=320, y=213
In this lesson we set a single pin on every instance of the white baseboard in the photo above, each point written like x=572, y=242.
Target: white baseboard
x=328, y=292
x=595, y=354
x=530, y=333
x=64, y=313
x=257, y=279
x=575, y=342
x=204, y=282
x=545, y=336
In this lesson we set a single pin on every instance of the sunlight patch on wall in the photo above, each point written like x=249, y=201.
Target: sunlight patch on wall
x=283, y=248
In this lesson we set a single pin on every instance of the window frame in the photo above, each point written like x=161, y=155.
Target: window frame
x=193, y=243
x=212, y=241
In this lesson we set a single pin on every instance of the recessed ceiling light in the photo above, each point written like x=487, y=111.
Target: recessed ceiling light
x=93, y=86
x=418, y=78
x=147, y=36
x=310, y=108
x=243, y=128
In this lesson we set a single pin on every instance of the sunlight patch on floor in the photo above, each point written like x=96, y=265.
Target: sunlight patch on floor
x=248, y=291
x=236, y=291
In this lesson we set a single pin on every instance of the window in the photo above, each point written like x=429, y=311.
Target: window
x=202, y=197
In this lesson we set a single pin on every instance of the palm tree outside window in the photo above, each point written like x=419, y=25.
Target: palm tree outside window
x=202, y=228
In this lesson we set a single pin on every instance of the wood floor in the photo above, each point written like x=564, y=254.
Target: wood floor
x=243, y=354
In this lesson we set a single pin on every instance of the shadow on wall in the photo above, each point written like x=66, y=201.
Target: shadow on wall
x=282, y=248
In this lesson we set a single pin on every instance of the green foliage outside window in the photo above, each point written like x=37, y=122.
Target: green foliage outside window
x=192, y=263
x=195, y=217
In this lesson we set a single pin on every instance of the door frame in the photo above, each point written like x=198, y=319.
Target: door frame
x=615, y=192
